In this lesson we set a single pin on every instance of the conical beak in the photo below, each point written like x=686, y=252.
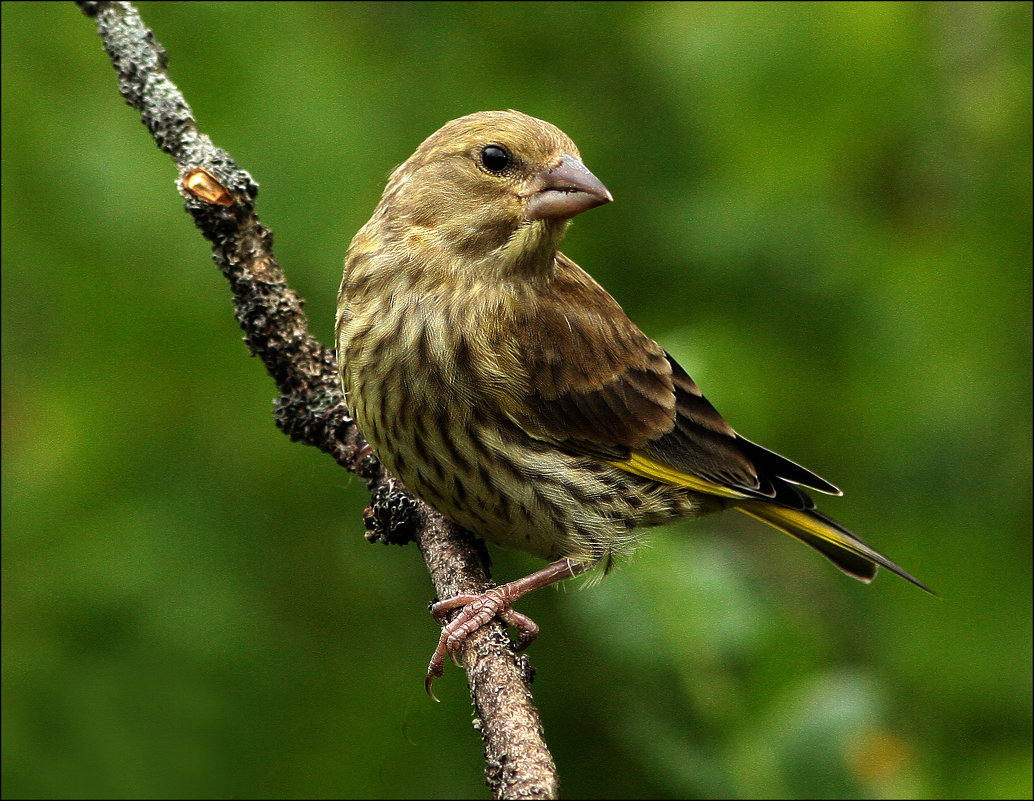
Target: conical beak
x=565, y=191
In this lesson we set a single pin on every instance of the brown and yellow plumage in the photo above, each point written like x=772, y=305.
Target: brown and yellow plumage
x=510, y=391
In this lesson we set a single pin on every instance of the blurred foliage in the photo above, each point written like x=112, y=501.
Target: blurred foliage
x=823, y=210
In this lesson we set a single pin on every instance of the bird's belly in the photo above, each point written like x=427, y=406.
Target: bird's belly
x=490, y=477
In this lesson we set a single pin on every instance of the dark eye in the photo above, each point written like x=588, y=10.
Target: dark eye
x=495, y=158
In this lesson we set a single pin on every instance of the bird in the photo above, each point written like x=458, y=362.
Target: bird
x=510, y=391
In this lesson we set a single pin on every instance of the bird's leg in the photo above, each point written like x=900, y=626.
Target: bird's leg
x=477, y=610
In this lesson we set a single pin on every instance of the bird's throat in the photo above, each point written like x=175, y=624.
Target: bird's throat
x=531, y=251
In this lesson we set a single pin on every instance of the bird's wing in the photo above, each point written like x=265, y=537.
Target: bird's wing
x=598, y=386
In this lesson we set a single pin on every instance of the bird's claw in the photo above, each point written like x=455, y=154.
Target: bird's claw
x=474, y=612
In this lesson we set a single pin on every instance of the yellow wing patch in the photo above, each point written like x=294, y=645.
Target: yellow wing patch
x=644, y=466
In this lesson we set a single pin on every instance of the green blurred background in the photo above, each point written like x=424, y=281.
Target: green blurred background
x=824, y=211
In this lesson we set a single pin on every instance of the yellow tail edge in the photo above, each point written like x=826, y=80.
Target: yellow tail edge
x=829, y=538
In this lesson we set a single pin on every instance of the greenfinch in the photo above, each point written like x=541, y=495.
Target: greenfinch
x=507, y=389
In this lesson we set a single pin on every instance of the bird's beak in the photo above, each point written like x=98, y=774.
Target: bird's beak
x=565, y=191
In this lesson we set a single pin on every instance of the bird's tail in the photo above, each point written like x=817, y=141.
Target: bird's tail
x=827, y=537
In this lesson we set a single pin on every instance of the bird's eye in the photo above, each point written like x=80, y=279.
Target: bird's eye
x=495, y=158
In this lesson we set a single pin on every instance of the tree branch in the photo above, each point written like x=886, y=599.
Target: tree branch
x=220, y=196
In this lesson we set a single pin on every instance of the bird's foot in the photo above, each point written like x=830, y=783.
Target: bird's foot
x=477, y=610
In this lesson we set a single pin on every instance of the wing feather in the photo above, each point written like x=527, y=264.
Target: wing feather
x=600, y=387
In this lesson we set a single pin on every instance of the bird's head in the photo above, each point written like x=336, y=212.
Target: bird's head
x=496, y=188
